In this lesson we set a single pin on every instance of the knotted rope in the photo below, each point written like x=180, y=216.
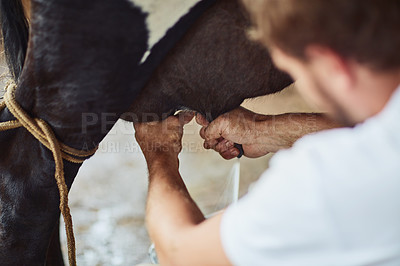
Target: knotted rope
x=43, y=132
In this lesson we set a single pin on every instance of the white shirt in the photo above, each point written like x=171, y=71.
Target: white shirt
x=333, y=199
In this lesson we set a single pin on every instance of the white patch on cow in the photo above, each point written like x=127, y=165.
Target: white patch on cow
x=145, y=56
x=161, y=16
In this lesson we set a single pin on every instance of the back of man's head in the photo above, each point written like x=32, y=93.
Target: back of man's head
x=367, y=31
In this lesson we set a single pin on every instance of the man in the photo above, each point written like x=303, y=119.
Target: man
x=334, y=198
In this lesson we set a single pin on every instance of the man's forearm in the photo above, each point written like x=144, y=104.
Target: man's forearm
x=281, y=131
x=170, y=209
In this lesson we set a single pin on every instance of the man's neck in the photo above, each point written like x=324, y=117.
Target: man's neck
x=374, y=91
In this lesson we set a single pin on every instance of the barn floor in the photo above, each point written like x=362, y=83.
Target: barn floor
x=108, y=197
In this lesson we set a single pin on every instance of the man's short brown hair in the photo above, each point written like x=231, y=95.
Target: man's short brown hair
x=365, y=30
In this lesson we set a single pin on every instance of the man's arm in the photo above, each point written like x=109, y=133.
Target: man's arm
x=259, y=134
x=176, y=225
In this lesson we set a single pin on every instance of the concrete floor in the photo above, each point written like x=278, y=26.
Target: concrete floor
x=108, y=197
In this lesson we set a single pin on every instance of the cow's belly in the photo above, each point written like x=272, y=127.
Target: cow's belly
x=211, y=70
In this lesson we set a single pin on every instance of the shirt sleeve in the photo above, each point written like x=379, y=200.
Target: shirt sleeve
x=282, y=220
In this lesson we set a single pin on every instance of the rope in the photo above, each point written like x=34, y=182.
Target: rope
x=43, y=132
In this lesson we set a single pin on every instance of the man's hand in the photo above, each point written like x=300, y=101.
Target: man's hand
x=238, y=126
x=162, y=139
x=182, y=236
x=259, y=134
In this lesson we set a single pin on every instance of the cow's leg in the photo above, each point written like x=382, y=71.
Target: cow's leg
x=83, y=58
x=54, y=254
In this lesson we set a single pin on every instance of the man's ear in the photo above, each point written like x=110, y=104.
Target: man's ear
x=331, y=67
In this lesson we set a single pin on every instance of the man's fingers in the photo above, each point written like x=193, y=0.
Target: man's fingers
x=230, y=154
x=224, y=146
x=210, y=144
x=203, y=132
x=201, y=120
x=214, y=129
x=185, y=117
x=211, y=130
x=144, y=124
